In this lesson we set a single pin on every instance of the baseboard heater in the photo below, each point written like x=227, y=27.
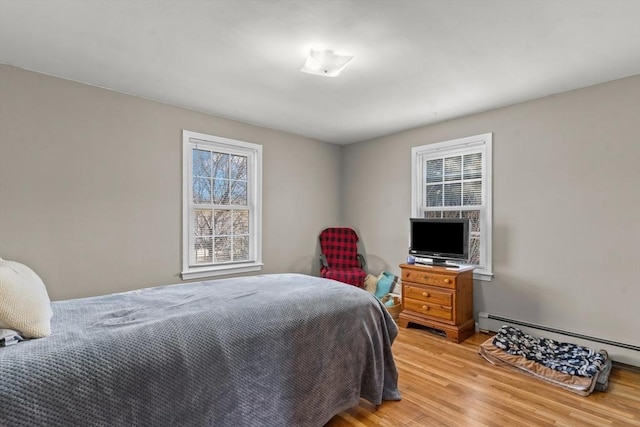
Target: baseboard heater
x=619, y=352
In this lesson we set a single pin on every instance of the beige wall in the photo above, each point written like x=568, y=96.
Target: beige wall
x=90, y=186
x=566, y=208
x=90, y=196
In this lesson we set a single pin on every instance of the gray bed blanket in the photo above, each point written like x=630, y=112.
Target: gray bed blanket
x=271, y=350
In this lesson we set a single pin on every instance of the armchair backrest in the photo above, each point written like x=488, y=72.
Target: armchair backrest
x=339, y=245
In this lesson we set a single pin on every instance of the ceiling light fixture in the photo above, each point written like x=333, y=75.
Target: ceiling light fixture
x=325, y=63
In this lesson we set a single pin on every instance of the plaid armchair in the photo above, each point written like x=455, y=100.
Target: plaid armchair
x=340, y=259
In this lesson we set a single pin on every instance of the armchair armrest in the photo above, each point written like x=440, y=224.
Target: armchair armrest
x=362, y=261
x=323, y=261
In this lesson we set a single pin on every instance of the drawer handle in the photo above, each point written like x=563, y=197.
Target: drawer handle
x=425, y=294
x=447, y=281
x=425, y=307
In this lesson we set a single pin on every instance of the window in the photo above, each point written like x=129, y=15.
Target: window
x=221, y=207
x=452, y=179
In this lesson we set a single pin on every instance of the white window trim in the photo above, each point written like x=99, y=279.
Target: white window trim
x=255, y=196
x=451, y=147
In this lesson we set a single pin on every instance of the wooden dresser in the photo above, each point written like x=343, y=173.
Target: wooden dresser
x=440, y=298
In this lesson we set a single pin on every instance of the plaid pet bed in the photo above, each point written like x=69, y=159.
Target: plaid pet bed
x=569, y=358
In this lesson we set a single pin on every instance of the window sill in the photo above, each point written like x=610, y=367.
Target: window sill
x=220, y=270
x=484, y=275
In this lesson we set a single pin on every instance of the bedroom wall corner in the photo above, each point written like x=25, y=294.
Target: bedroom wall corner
x=566, y=206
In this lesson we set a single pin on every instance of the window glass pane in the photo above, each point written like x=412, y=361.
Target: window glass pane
x=202, y=221
x=474, y=250
x=434, y=195
x=222, y=249
x=203, y=252
x=201, y=240
x=220, y=165
x=240, y=248
x=238, y=192
x=201, y=163
x=472, y=193
x=201, y=190
x=474, y=220
x=453, y=168
x=239, y=167
x=240, y=222
x=222, y=222
x=433, y=170
x=453, y=194
x=221, y=191
x=473, y=166
x=450, y=214
x=433, y=214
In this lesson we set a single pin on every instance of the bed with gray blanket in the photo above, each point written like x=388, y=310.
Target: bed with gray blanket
x=271, y=350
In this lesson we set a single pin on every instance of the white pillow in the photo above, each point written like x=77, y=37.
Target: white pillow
x=24, y=302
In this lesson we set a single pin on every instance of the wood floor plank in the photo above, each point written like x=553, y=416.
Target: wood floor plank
x=448, y=384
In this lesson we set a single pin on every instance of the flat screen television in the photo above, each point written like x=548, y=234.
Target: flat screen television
x=441, y=240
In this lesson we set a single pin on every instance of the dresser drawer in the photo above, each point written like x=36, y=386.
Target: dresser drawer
x=427, y=309
x=428, y=278
x=428, y=295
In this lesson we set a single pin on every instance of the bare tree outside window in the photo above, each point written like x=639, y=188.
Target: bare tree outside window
x=221, y=217
x=453, y=187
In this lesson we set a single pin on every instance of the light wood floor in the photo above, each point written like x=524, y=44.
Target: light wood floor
x=448, y=384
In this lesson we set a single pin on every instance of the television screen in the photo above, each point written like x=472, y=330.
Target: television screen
x=440, y=239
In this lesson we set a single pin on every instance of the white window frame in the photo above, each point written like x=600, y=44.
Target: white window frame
x=454, y=147
x=191, y=140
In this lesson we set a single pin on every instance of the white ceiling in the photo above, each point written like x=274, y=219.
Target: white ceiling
x=416, y=62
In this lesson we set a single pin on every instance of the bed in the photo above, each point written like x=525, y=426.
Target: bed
x=270, y=350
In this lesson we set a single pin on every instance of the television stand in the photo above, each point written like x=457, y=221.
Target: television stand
x=438, y=298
